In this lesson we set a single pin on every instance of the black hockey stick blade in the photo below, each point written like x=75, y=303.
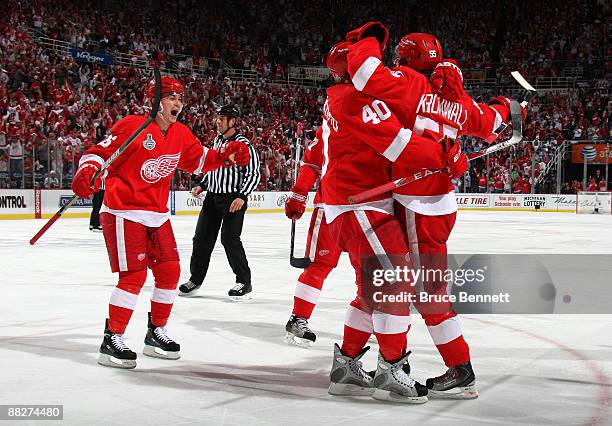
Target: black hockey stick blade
x=297, y=262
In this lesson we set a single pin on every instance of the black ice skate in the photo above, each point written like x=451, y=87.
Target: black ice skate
x=458, y=382
x=240, y=292
x=392, y=382
x=348, y=377
x=159, y=345
x=189, y=289
x=114, y=352
x=298, y=332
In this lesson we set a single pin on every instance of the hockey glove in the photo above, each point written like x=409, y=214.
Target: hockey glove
x=81, y=183
x=235, y=153
x=505, y=102
x=447, y=80
x=295, y=205
x=371, y=29
x=456, y=161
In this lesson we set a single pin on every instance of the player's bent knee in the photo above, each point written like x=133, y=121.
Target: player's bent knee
x=167, y=274
x=132, y=281
x=436, y=319
x=315, y=274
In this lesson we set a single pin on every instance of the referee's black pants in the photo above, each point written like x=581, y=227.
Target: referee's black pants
x=96, y=204
x=215, y=215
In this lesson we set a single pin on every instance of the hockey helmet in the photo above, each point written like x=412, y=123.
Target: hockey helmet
x=229, y=111
x=169, y=86
x=336, y=60
x=419, y=51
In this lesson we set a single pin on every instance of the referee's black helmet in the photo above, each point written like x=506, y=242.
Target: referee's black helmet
x=229, y=111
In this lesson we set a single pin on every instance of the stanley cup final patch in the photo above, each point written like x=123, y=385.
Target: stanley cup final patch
x=149, y=143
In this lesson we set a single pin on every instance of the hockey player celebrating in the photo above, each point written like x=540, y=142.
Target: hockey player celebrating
x=320, y=248
x=135, y=218
x=427, y=208
x=362, y=137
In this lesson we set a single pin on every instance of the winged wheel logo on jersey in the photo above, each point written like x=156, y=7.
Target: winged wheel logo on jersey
x=158, y=168
x=149, y=143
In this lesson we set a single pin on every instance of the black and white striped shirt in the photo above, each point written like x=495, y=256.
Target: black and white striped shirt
x=237, y=179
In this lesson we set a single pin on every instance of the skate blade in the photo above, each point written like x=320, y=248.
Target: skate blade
x=155, y=352
x=292, y=339
x=385, y=395
x=345, y=389
x=111, y=361
x=244, y=298
x=190, y=294
x=466, y=392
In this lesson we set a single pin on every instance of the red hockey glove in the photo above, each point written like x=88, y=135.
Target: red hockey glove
x=505, y=102
x=235, y=153
x=447, y=80
x=456, y=161
x=371, y=29
x=81, y=183
x=295, y=205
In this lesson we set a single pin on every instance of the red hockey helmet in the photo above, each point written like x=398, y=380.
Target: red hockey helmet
x=169, y=86
x=337, y=60
x=419, y=51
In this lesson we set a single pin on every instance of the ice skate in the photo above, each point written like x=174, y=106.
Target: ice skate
x=159, y=345
x=188, y=289
x=458, y=382
x=114, y=352
x=298, y=333
x=348, y=376
x=240, y=292
x=392, y=382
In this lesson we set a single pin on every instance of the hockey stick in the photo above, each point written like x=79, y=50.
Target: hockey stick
x=362, y=196
x=111, y=159
x=517, y=136
x=531, y=92
x=296, y=262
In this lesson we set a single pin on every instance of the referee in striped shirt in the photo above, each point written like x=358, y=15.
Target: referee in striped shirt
x=223, y=208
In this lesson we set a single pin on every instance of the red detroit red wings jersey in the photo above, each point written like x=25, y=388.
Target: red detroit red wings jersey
x=138, y=182
x=361, y=137
x=408, y=94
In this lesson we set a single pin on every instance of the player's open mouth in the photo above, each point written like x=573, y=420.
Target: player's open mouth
x=174, y=112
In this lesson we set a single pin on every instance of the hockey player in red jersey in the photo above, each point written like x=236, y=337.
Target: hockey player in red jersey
x=320, y=247
x=362, y=137
x=135, y=216
x=427, y=208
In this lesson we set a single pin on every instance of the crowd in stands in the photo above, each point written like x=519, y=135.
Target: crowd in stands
x=53, y=107
x=541, y=37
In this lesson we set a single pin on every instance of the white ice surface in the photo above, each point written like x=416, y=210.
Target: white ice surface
x=235, y=368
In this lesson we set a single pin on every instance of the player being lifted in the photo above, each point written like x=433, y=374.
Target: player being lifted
x=320, y=248
x=437, y=107
x=135, y=218
x=362, y=137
